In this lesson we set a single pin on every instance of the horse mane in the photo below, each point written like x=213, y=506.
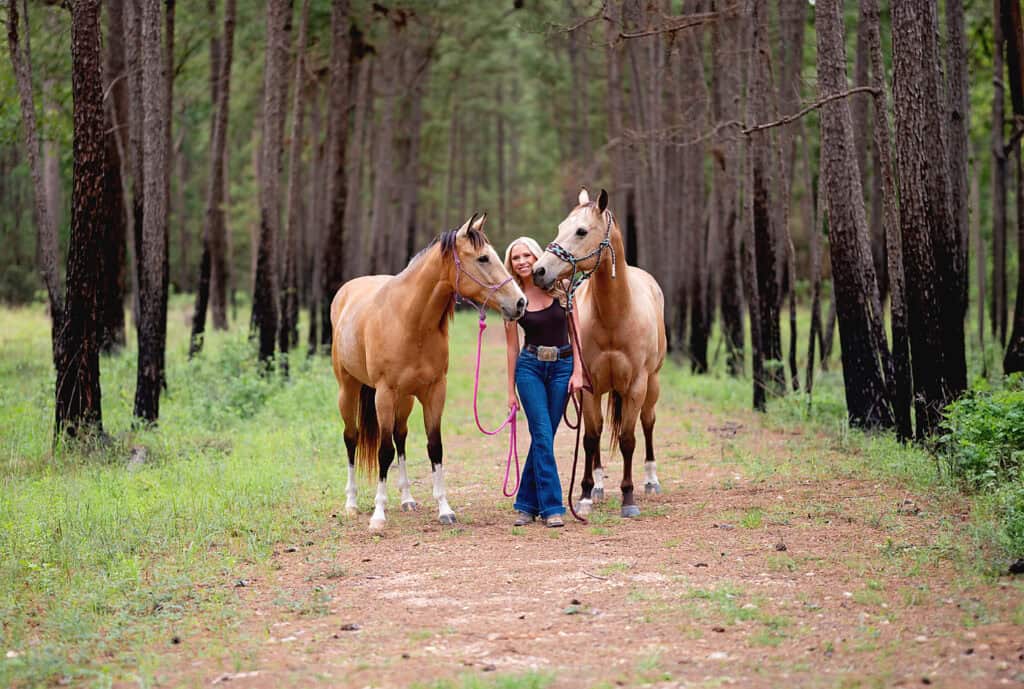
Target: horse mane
x=447, y=241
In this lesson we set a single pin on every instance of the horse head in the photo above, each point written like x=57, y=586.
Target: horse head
x=480, y=274
x=579, y=245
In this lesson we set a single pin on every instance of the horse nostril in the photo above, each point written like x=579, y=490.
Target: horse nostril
x=520, y=305
x=539, y=271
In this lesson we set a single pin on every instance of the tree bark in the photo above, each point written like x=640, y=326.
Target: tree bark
x=930, y=244
x=958, y=120
x=212, y=290
x=901, y=384
x=78, y=409
x=288, y=330
x=1013, y=361
x=337, y=137
x=998, y=310
x=133, y=32
x=47, y=251
x=1013, y=30
x=727, y=168
x=753, y=216
x=766, y=251
x=152, y=328
x=853, y=271
x=265, y=290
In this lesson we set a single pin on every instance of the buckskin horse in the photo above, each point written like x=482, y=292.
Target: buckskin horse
x=391, y=346
x=622, y=337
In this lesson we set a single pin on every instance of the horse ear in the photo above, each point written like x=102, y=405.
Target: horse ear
x=584, y=197
x=602, y=201
x=469, y=223
x=479, y=223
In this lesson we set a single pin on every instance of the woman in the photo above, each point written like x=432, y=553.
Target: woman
x=546, y=371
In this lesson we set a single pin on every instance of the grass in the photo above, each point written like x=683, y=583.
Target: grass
x=99, y=560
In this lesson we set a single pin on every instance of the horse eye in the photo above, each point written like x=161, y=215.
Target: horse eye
x=484, y=259
x=582, y=232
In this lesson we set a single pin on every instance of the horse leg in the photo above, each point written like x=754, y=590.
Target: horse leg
x=385, y=403
x=348, y=401
x=627, y=444
x=433, y=405
x=592, y=484
x=647, y=416
x=401, y=431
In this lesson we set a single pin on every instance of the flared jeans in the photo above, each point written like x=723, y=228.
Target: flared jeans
x=543, y=389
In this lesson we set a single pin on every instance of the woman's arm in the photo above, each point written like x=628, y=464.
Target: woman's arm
x=576, y=381
x=512, y=354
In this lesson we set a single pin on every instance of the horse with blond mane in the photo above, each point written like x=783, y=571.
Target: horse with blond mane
x=622, y=337
x=391, y=347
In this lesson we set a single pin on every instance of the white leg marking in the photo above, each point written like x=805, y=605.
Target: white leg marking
x=444, y=513
x=599, y=479
x=403, y=485
x=350, y=492
x=650, y=472
x=379, y=503
x=585, y=506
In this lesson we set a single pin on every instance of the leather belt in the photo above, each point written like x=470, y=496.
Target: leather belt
x=550, y=353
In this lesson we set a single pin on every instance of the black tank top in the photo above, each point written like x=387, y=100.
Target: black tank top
x=546, y=327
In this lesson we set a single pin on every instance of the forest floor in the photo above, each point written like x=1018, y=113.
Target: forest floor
x=785, y=550
x=769, y=560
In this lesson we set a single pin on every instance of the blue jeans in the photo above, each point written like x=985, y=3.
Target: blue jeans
x=543, y=389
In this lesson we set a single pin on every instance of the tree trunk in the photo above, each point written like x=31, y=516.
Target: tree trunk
x=813, y=217
x=930, y=243
x=766, y=251
x=287, y=331
x=153, y=255
x=265, y=289
x=78, y=407
x=337, y=136
x=212, y=289
x=727, y=168
x=1013, y=361
x=112, y=330
x=133, y=32
x=998, y=311
x=958, y=119
x=500, y=149
x=900, y=385
x=853, y=271
x=47, y=250
x=980, y=258
x=1014, y=32
x=753, y=216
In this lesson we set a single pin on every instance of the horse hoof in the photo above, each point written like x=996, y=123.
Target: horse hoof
x=597, y=494
x=630, y=511
x=411, y=506
x=377, y=525
x=652, y=488
x=584, y=507
x=447, y=519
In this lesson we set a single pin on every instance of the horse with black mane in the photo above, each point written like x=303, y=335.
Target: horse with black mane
x=391, y=346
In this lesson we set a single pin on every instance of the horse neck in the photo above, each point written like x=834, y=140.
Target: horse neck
x=427, y=289
x=611, y=295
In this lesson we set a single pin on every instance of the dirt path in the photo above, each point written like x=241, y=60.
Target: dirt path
x=736, y=575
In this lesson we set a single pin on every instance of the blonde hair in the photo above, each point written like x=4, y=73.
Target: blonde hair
x=558, y=290
x=530, y=243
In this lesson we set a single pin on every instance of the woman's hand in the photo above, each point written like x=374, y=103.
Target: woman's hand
x=513, y=401
x=575, y=382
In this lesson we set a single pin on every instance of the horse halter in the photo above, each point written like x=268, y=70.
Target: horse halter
x=460, y=270
x=578, y=277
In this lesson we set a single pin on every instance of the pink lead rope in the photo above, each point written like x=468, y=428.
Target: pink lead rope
x=513, y=450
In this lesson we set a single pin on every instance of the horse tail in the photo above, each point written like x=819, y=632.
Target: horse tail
x=368, y=442
x=614, y=415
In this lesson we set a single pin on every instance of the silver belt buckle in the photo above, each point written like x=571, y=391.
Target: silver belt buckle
x=547, y=353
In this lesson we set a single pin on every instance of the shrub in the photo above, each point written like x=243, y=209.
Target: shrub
x=983, y=442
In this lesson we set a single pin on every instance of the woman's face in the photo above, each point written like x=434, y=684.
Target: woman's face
x=522, y=261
